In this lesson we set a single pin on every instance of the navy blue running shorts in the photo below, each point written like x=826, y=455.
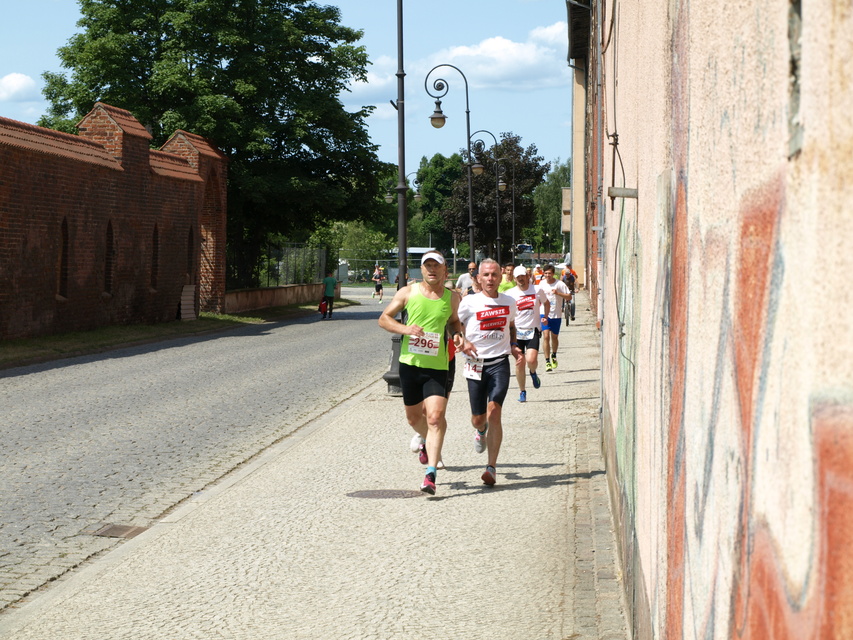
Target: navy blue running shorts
x=492, y=388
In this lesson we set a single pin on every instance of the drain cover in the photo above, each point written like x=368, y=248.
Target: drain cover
x=119, y=531
x=384, y=494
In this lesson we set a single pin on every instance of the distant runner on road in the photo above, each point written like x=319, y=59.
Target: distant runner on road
x=377, y=278
x=557, y=291
x=528, y=326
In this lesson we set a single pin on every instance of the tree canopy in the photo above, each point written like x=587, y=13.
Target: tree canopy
x=522, y=170
x=546, y=230
x=260, y=78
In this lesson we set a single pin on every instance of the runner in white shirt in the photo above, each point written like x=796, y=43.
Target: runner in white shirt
x=557, y=291
x=489, y=321
x=528, y=325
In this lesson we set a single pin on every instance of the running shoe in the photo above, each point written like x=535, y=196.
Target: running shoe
x=553, y=362
x=416, y=443
x=536, y=381
x=489, y=476
x=440, y=464
x=479, y=441
x=422, y=454
x=522, y=397
x=429, y=484
x=548, y=366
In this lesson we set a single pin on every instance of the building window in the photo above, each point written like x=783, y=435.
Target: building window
x=62, y=275
x=109, y=259
x=155, y=257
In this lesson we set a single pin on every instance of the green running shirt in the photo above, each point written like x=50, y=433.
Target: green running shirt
x=430, y=351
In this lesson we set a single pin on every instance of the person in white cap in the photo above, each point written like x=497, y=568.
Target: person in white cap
x=528, y=327
x=557, y=291
x=430, y=309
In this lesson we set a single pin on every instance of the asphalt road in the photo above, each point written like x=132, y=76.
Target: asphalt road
x=122, y=437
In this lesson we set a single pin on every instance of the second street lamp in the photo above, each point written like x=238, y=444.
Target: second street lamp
x=437, y=119
x=479, y=146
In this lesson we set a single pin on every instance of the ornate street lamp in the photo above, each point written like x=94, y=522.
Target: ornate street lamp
x=500, y=185
x=437, y=119
x=417, y=185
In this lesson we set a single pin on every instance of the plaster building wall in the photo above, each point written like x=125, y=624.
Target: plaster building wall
x=578, y=218
x=725, y=311
x=99, y=229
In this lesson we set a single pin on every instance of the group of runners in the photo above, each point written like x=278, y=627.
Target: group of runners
x=488, y=327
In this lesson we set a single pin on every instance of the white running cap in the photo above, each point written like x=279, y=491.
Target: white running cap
x=432, y=255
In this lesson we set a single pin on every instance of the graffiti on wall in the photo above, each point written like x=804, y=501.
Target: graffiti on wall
x=728, y=570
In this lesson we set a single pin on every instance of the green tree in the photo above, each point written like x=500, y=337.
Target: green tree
x=522, y=170
x=546, y=232
x=362, y=243
x=260, y=78
x=436, y=178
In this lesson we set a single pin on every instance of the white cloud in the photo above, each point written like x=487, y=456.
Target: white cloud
x=556, y=35
x=380, y=86
x=17, y=87
x=502, y=63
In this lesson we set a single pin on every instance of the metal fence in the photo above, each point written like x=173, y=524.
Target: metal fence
x=292, y=264
x=358, y=271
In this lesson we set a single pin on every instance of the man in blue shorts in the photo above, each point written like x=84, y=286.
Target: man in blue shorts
x=489, y=320
x=430, y=309
x=528, y=325
x=557, y=291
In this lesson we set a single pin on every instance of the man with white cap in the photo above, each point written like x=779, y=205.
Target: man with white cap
x=528, y=325
x=430, y=308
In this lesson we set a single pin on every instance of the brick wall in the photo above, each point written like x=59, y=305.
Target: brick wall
x=99, y=229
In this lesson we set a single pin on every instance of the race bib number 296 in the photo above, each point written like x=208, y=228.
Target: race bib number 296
x=427, y=344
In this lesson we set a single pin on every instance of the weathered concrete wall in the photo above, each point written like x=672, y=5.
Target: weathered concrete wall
x=726, y=331
x=251, y=299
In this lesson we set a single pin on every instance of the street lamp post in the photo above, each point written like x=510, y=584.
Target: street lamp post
x=392, y=376
x=500, y=185
x=437, y=119
x=513, y=214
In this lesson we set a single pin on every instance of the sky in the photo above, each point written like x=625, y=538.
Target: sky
x=512, y=52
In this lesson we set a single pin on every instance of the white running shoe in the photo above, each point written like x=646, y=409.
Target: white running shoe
x=416, y=443
x=479, y=441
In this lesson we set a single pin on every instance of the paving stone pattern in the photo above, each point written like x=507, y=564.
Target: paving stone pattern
x=122, y=437
x=288, y=547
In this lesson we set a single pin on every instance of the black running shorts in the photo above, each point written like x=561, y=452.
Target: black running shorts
x=533, y=343
x=451, y=376
x=419, y=383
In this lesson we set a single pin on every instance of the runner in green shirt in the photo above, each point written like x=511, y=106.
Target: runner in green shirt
x=430, y=308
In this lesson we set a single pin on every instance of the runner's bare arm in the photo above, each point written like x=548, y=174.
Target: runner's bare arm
x=457, y=329
x=514, y=348
x=387, y=320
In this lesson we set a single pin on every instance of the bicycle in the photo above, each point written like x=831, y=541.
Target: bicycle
x=569, y=305
x=569, y=309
